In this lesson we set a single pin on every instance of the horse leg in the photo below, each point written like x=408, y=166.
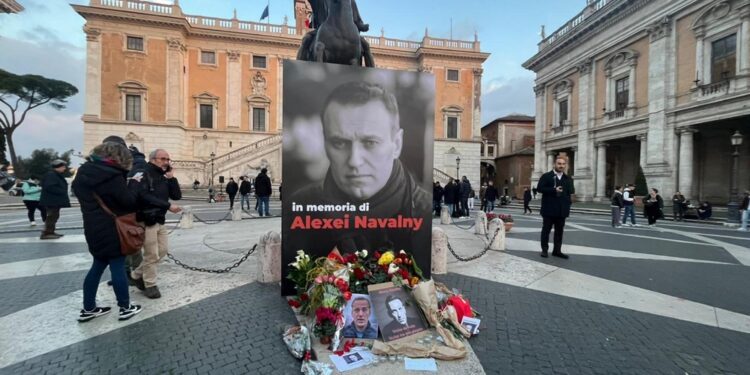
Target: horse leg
x=305, y=50
x=318, y=52
x=366, y=53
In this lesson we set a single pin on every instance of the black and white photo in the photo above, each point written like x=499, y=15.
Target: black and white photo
x=397, y=313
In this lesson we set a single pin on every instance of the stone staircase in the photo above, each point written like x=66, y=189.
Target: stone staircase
x=440, y=176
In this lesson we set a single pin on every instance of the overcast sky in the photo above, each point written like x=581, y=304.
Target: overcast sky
x=47, y=39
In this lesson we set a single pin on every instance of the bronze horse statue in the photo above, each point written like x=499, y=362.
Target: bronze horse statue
x=336, y=36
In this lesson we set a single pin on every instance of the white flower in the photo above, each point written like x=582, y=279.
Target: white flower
x=362, y=253
x=295, y=265
x=402, y=252
x=392, y=268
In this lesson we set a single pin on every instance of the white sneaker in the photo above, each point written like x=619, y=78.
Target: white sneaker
x=742, y=229
x=33, y=223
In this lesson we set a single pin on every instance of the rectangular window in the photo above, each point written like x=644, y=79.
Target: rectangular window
x=452, y=75
x=259, y=119
x=135, y=43
x=133, y=108
x=491, y=151
x=207, y=116
x=563, y=110
x=208, y=57
x=724, y=58
x=453, y=127
x=259, y=62
x=622, y=93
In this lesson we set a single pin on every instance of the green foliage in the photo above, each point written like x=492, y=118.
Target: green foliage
x=38, y=164
x=3, y=160
x=641, y=188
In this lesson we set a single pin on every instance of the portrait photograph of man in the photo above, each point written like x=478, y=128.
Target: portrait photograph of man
x=357, y=160
x=396, y=311
x=359, y=318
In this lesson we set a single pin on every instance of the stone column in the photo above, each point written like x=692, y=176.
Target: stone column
x=745, y=40
x=93, y=73
x=269, y=259
x=686, y=162
x=280, y=100
x=642, y=138
x=574, y=150
x=175, y=80
x=439, y=252
x=477, y=106
x=601, y=168
x=585, y=104
x=660, y=62
x=699, y=34
x=234, y=89
x=539, y=165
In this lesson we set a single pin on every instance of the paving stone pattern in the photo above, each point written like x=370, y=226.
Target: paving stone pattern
x=236, y=332
x=20, y=293
x=530, y=332
x=28, y=251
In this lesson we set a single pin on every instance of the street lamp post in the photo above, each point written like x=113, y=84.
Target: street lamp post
x=213, y=155
x=458, y=163
x=733, y=214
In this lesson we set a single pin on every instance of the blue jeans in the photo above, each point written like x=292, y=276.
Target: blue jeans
x=263, y=206
x=489, y=206
x=744, y=216
x=119, y=282
x=245, y=198
x=629, y=212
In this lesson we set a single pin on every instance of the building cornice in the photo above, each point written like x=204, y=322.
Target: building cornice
x=10, y=6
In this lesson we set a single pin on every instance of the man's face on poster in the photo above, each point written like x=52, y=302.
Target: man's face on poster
x=360, y=314
x=361, y=141
x=397, y=310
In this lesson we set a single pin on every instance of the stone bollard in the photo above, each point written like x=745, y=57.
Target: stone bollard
x=186, y=221
x=480, y=224
x=439, y=251
x=499, y=241
x=269, y=256
x=445, y=217
x=236, y=214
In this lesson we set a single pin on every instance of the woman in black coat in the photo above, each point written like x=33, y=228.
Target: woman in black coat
x=449, y=196
x=653, y=205
x=104, y=174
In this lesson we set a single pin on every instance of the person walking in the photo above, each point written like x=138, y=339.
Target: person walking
x=629, y=205
x=678, y=206
x=556, y=188
x=491, y=196
x=103, y=176
x=464, y=193
x=533, y=191
x=245, y=192
x=526, y=200
x=437, y=197
x=617, y=203
x=744, y=211
x=449, y=196
x=263, y=190
x=472, y=196
x=158, y=187
x=653, y=206
x=482, y=198
x=31, y=194
x=231, y=189
x=54, y=197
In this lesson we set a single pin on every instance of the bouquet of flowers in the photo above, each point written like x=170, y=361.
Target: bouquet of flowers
x=506, y=218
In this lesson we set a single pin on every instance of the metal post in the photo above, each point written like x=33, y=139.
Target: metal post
x=733, y=214
x=458, y=163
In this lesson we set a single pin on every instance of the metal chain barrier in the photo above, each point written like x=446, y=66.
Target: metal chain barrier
x=476, y=256
x=209, y=270
x=465, y=228
x=177, y=226
x=211, y=222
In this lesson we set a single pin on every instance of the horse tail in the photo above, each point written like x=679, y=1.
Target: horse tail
x=367, y=54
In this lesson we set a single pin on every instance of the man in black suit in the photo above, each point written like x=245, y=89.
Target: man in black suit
x=556, y=188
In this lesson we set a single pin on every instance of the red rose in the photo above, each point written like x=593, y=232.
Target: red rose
x=404, y=274
x=304, y=297
x=377, y=255
x=347, y=295
x=359, y=274
x=294, y=303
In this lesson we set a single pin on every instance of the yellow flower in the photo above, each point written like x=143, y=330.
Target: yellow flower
x=386, y=258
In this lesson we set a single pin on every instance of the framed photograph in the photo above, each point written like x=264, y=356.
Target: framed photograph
x=360, y=318
x=471, y=324
x=396, y=311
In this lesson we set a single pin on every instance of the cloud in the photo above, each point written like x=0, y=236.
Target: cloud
x=46, y=128
x=502, y=96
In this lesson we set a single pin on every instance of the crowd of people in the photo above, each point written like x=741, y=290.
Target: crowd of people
x=459, y=197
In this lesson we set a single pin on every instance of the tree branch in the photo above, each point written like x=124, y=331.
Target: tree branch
x=12, y=113
x=30, y=107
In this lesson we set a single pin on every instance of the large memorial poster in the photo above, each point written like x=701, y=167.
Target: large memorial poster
x=357, y=161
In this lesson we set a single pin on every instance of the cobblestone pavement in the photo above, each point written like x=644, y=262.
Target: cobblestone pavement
x=540, y=316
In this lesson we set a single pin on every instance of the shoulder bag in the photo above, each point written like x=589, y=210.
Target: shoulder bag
x=131, y=233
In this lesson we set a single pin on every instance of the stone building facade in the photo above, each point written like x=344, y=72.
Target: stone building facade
x=660, y=84
x=508, y=153
x=10, y=6
x=209, y=90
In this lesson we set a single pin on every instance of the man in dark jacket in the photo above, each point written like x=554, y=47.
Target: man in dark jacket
x=617, y=203
x=526, y=200
x=54, y=197
x=465, y=192
x=245, y=188
x=678, y=206
x=437, y=197
x=449, y=197
x=490, y=195
x=263, y=190
x=232, y=189
x=556, y=188
x=158, y=186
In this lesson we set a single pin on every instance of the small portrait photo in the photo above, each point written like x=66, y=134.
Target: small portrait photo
x=398, y=313
x=359, y=318
x=471, y=324
x=353, y=358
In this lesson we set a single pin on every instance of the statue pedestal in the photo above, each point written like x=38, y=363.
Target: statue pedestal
x=236, y=214
x=480, y=224
x=497, y=242
x=439, y=252
x=186, y=221
x=445, y=217
x=269, y=257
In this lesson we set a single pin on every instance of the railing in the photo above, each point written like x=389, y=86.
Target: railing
x=138, y=6
x=576, y=21
x=272, y=140
x=713, y=88
x=188, y=164
x=393, y=43
x=618, y=113
x=441, y=176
